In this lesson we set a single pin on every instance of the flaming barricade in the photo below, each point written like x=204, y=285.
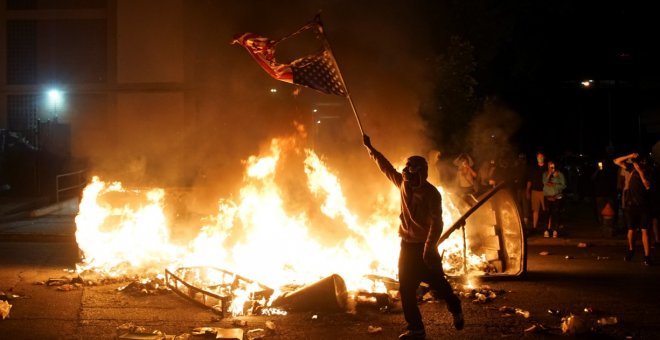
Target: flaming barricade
x=284, y=248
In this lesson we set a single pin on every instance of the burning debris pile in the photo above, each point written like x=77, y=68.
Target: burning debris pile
x=219, y=290
x=277, y=246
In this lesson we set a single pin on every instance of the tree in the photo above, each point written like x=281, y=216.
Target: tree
x=453, y=101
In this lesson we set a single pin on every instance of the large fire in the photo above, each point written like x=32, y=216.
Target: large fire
x=123, y=231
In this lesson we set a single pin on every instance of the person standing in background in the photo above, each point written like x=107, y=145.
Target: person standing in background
x=636, y=203
x=554, y=184
x=535, y=189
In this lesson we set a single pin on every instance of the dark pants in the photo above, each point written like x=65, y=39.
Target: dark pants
x=413, y=271
x=554, y=207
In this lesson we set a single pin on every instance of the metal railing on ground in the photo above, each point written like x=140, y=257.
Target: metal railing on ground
x=68, y=182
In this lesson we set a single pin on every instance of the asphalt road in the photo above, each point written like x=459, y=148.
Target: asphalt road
x=569, y=279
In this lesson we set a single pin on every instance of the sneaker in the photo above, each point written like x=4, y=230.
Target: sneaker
x=546, y=233
x=647, y=261
x=459, y=321
x=417, y=334
x=554, y=234
x=629, y=256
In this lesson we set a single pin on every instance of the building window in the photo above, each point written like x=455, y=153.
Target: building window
x=21, y=52
x=22, y=115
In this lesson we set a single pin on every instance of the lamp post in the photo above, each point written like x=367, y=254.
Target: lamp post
x=585, y=84
x=55, y=101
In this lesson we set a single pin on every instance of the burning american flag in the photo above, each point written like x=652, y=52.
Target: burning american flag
x=318, y=71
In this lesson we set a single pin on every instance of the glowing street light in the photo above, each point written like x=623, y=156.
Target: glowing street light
x=55, y=100
x=587, y=83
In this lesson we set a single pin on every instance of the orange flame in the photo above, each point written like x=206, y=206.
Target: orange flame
x=124, y=231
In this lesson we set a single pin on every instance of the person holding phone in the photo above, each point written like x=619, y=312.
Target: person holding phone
x=554, y=184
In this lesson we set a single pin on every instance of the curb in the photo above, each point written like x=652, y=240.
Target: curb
x=46, y=238
x=543, y=241
x=69, y=206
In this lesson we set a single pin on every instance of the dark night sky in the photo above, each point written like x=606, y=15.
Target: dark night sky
x=531, y=56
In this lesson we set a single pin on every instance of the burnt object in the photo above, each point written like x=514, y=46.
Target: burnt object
x=328, y=294
x=213, y=287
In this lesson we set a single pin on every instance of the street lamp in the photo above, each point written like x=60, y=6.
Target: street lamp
x=587, y=83
x=55, y=101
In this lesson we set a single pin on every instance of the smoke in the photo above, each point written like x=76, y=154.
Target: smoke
x=197, y=134
x=490, y=131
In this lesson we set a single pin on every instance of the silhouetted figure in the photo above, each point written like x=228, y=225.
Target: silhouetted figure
x=554, y=184
x=636, y=203
x=465, y=178
x=535, y=189
x=420, y=229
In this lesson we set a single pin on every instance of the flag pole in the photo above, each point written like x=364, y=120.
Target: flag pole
x=326, y=44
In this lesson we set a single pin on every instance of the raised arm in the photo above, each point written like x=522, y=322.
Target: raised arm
x=642, y=176
x=621, y=160
x=385, y=166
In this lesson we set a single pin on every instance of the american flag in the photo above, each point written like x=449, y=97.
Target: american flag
x=263, y=51
x=318, y=71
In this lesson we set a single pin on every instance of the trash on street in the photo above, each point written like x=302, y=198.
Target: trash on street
x=4, y=309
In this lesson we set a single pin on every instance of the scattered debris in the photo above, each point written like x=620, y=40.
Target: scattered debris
x=4, y=309
x=9, y=296
x=58, y=281
x=537, y=328
x=257, y=333
x=145, y=287
x=509, y=311
x=216, y=288
x=610, y=320
x=602, y=258
x=374, y=330
x=574, y=325
x=369, y=299
x=130, y=331
x=554, y=312
x=544, y=253
x=204, y=331
x=327, y=294
x=239, y=323
x=568, y=257
x=483, y=294
x=229, y=334
x=270, y=327
x=582, y=245
x=522, y=312
x=215, y=332
x=68, y=287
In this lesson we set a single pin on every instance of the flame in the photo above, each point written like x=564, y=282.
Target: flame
x=259, y=235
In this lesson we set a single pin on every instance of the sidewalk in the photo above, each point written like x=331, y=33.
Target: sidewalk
x=14, y=208
x=33, y=219
x=580, y=225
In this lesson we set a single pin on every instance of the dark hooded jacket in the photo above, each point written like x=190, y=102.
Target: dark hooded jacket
x=421, y=207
